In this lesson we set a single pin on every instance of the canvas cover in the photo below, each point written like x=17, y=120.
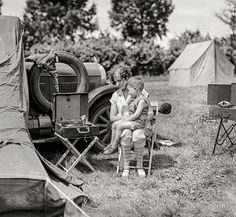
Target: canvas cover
x=27, y=187
x=201, y=64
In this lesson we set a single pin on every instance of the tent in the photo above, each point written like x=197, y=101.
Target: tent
x=29, y=185
x=201, y=64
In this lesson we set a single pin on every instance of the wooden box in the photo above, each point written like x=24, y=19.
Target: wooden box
x=70, y=106
x=222, y=113
x=217, y=93
x=68, y=110
x=73, y=130
x=233, y=94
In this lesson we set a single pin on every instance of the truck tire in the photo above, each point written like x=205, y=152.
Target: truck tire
x=99, y=114
x=63, y=57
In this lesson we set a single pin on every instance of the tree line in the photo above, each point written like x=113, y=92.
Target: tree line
x=71, y=25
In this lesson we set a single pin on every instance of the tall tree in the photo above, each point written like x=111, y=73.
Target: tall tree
x=139, y=19
x=47, y=20
x=228, y=15
x=1, y=4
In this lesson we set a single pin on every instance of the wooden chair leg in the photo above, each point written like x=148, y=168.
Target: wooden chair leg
x=150, y=155
x=119, y=160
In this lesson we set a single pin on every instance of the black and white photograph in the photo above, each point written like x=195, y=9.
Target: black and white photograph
x=117, y=108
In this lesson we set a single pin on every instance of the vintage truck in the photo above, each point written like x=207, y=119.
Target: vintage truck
x=69, y=75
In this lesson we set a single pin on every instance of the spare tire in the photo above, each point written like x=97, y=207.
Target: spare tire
x=62, y=57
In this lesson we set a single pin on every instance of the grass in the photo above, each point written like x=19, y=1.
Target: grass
x=187, y=180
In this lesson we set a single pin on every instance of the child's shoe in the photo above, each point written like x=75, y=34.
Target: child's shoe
x=125, y=173
x=141, y=173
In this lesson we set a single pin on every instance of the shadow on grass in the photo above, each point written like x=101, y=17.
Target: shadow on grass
x=53, y=151
x=161, y=161
x=103, y=165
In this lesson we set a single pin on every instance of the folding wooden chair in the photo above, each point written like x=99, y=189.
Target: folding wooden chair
x=150, y=142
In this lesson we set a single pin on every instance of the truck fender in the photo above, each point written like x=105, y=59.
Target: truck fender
x=100, y=92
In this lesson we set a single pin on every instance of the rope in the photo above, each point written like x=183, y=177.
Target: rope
x=71, y=201
x=5, y=141
x=50, y=67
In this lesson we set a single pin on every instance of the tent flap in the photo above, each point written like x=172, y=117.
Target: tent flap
x=26, y=187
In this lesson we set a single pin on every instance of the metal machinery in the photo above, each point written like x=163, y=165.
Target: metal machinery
x=71, y=75
x=219, y=93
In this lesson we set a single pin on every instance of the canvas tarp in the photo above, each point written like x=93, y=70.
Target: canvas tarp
x=27, y=187
x=201, y=64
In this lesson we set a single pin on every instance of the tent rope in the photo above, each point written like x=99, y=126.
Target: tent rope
x=71, y=201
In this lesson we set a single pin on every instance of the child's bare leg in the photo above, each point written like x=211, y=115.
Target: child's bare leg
x=113, y=130
x=109, y=149
x=119, y=129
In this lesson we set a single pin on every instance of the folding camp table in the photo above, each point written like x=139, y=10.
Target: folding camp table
x=223, y=114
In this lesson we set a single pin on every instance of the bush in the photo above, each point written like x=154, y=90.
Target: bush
x=143, y=58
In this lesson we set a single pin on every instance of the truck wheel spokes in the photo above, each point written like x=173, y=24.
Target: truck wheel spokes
x=104, y=119
x=101, y=132
x=106, y=137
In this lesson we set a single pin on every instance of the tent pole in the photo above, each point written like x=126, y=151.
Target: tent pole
x=71, y=201
x=215, y=61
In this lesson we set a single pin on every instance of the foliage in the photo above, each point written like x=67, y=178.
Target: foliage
x=177, y=45
x=143, y=58
x=51, y=20
x=140, y=19
x=228, y=15
x=106, y=50
x=225, y=45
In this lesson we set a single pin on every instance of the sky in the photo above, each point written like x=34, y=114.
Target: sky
x=188, y=14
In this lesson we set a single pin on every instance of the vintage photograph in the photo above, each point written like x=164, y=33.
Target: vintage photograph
x=117, y=108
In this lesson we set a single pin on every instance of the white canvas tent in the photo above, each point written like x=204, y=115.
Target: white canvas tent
x=201, y=64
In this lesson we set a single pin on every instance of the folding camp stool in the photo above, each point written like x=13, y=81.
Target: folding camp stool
x=71, y=148
x=150, y=142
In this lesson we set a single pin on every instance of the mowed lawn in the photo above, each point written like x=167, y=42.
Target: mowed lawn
x=187, y=180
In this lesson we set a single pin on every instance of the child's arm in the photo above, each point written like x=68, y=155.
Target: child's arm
x=138, y=111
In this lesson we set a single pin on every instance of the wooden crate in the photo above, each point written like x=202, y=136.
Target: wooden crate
x=222, y=113
x=70, y=106
x=217, y=93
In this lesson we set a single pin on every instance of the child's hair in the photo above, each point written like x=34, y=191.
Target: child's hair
x=136, y=82
x=124, y=71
